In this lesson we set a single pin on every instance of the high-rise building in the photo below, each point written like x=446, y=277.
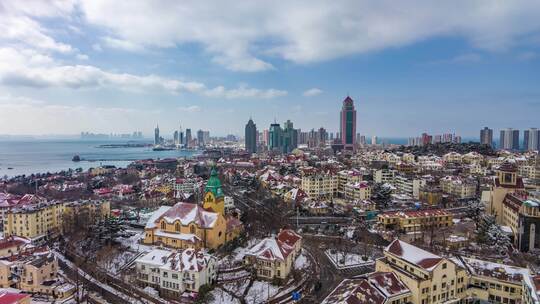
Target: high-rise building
x=323, y=137
x=251, y=137
x=290, y=137
x=374, y=140
x=509, y=139
x=426, y=139
x=175, y=137
x=156, y=136
x=188, y=138
x=531, y=139
x=200, y=138
x=266, y=137
x=347, y=124
x=275, y=137
x=486, y=136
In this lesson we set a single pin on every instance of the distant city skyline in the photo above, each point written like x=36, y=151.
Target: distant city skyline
x=111, y=66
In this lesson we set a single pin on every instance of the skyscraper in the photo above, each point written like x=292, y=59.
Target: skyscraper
x=509, y=139
x=200, y=138
x=275, y=137
x=251, y=137
x=347, y=124
x=188, y=138
x=290, y=137
x=156, y=136
x=531, y=139
x=486, y=136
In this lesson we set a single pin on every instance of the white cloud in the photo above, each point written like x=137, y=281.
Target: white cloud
x=121, y=44
x=189, y=109
x=312, y=92
x=82, y=57
x=240, y=35
x=28, y=68
x=97, y=47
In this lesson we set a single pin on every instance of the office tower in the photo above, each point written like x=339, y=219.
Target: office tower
x=200, y=138
x=509, y=139
x=266, y=137
x=438, y=139
x=457, y=139
x=275, y=137
x=347, y=124
x=175, y=137
x=531, y=139
x=374, y=140
x=289, y=138
x=156, y=136
x=251, y=137
x=331, y=136
x=322, y=137
x=188, y=138
x=206, y=137
x=486, y=136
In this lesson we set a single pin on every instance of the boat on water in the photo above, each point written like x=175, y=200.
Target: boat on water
x=76, y=158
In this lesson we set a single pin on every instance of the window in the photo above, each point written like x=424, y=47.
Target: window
x=177, y=227
x=192, y=229
x=444, y=266
x=163, y=225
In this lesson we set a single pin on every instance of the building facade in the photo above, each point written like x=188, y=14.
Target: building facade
x=347, y=124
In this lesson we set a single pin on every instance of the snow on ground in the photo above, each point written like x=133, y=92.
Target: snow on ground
x=260, y=292
x=301, y=261
x=346, y=260
x=225, y=276
x=222, y=297
x=132, y=242
x=238, y=253
x=237, y=287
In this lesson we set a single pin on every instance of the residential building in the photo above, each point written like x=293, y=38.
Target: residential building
x=251, y=137
x=384, y=176
x=373, y=288
x=506, y=181
x=486, y=136
x=357, y=191
x=35, y=221
x=274, y=257
x=522, y=214
x=531, y=140
x=347, y=124
x=509, y=139
x=173, y=272
x=459, y=187
x=319, y=185
x=409, y=185
x=430, y=278
x=415, y=220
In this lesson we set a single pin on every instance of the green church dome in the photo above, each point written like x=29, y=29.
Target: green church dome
x=214, y=184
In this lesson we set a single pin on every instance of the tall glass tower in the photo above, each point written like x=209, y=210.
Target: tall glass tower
x=347, y=124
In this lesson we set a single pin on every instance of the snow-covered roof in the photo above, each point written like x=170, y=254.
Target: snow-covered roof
x=494, y=270
x=413, y=254
x=188, y=213
x=154, y=257
x=157, y=214
x=275, y=248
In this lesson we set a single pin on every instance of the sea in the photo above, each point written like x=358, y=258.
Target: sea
x=30, y=156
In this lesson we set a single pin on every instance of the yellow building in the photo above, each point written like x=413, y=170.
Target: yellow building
x=506, y=181
x=415, y=221
x=459, y=187
x=319, y=185
x=429, y=277
x=358, y=191
x=493, y=282
x=95, y=209
x=35, y=221
x=188, y=225
x=431, y=195
x=374, y=288
x=274, y=257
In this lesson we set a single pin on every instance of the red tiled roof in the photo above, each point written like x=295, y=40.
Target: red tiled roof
x=12, y=298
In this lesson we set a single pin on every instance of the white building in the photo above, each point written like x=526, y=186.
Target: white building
x=173, y=272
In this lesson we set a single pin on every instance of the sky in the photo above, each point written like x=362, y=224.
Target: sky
x=410, y=66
